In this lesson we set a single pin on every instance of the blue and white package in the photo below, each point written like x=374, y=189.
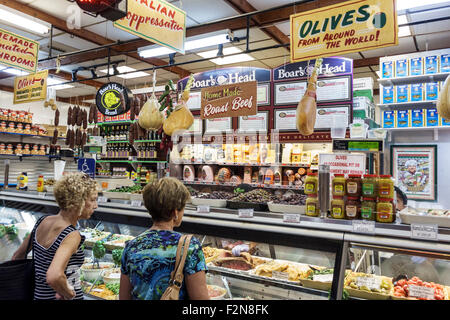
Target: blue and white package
x=403, y=117
x=431, y=65
x=389, y=118
x=417, y=118
x=445, y=62
x=387, y=69
x=388, y=94
x=431, y=91
x=432, y=118
x=416, y=66
x=416, y=92
x=402, y=93
x=401, y=68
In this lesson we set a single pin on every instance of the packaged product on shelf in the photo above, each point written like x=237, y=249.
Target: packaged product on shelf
x=403, y=118
x=387, y=69
x=416, y=92
x=236, y=180
x=2, y=148
x=277, y=177
x=431, y=91
x=337, y=207
x=306, y=158
x=229, y=153
x=370, y=185
x=255, y=176
x=416, y=66
x=224, y=175
x=188, y=173
x=286, y=153
x=3, y=127
x=11, y=127
x=385, y=186
x=417, y=118
x=237, y=153
x=198, y=152
x=401, y=68
x=296, y=155
x=246, y=153
x=353, y=185
x=385, y=210
x=352, y=208
x=18, y=149
x=220, y=149
x=402, y=93
x=26, y=149
x=388, y=93
x=35, y=150
x=444, y=62
x=9, y=148
x=338, y=185
x=432, y=118
x=253, y=153
x=445, y=122
x=248, y=175
x=289, y=176
x=312, y=205
x=269, y=177
x=209, y=154
x=207, y=174
x=431, y=64
x=311, y=183
x=22, y=181
x=368, y=208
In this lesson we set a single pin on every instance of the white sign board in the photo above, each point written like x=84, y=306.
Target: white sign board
x=344, y=163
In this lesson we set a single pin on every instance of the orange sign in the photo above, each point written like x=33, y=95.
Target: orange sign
x=231, y=100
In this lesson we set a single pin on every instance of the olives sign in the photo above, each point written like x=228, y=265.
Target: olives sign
x=113, y=99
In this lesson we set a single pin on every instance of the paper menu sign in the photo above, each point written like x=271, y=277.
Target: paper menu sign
x=421, y=292
x=323, y=277
x=280, y=275
x=369, y=282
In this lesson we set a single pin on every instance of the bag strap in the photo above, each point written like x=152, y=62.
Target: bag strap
x=176, y=277
x=33, y=232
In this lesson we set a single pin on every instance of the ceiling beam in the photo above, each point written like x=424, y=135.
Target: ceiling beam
x=83, y=33
x=243, y=6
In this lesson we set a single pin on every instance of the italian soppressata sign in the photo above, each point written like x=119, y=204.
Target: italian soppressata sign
x=232, y=100
x=18, y=52
x=30, y=88
x=156, y=21
x=351, y=26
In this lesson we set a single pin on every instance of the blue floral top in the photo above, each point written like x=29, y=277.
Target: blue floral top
x=149, y=259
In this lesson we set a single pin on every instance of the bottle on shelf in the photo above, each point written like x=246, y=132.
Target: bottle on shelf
x=40, y=184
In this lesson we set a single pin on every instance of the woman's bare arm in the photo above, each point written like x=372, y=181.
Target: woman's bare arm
x=196, y=286
x=125, y=288
x=21, y=253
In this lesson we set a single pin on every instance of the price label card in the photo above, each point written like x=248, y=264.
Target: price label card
x=245, y=213
x=136, y=203
x=363, y=226
x=41, y=194
x=280, y=275
x=369, y=282
x=102, y=199
x=424, y=231
x=323, y=277
x=202, y=209
x=421, y=292
x=291, y=218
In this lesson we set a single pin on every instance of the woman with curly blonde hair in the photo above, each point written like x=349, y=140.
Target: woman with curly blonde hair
x=57, y=243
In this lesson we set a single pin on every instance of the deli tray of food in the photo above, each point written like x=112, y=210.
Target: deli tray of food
x=439, y=217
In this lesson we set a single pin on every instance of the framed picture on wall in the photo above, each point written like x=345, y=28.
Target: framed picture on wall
x=414, y=168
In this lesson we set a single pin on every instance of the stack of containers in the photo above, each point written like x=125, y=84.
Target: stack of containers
x=370, y=197
x=363, y=106
x=426, y=63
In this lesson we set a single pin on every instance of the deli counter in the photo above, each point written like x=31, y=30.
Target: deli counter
x=309, y=258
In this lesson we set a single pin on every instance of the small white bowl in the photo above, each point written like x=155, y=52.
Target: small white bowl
x=91, y=274
x=111, y=276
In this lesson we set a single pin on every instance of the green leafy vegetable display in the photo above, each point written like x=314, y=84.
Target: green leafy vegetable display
x=319, y=272
x=117, y=256
x=2, y=231
x=12, y=232
x=114, y=287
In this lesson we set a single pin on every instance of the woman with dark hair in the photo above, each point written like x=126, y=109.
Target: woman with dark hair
x=402, y=199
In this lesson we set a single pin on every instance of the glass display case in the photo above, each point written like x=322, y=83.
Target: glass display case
x=309, y=259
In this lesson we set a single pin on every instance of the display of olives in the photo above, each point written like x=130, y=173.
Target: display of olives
x=254, y=196
x=294, y=199
x=216, y=195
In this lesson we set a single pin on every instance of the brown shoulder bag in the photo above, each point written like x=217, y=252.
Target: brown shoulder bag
x=176, y=277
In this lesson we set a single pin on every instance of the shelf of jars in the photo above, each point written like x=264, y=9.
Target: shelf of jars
x=295, y=165
x=254, y=185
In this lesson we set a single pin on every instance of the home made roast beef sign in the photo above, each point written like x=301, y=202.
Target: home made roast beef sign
x=232, y=100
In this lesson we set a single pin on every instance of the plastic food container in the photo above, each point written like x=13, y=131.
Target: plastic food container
x=111, y=276
x=312, y=206
x=311, y=183
x=91, y=272
x=338, y=185
x=338, y=208
x=385, y=210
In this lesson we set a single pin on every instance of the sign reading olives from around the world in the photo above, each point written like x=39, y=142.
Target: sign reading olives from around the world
x=345, y=27
x=113, y=99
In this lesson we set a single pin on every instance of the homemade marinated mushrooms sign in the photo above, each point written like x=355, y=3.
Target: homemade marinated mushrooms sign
x=346, y=27
x=232, y=100
x=18, y=52
x=156, y=21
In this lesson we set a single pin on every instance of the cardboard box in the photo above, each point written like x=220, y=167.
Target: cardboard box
x=431, y=91
x=431, y=64
x=416, y=66
x=444, y=62
x=432, y=118
x=388, y=94
x=402, y=93
x=403, y=118
x=401, y=68
x=389, y=118
x=387, y=69
x=416, y=92
x=362, y=84
x=417, y=118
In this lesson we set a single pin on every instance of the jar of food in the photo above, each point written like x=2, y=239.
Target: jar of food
x=312, y=205
x=311, y=183
x=352, y=208
x=353, y=185
x=337, y=207
x=386, y=187
x=368, y=208
x=338, y=185
x=385, y=210
x=370, y=186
